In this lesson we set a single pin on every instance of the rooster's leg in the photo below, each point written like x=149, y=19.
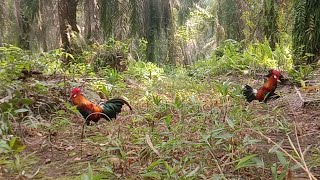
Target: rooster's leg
x=83, y=126
x=98, y=126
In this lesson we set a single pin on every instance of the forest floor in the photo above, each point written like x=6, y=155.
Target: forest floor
x=179, y=128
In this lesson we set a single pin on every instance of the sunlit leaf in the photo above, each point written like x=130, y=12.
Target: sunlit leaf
x=230, y=122
x=22, y=110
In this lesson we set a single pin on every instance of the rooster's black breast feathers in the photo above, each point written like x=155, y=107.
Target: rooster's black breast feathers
x=84, y=110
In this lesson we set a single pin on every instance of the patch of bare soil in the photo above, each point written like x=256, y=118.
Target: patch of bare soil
x=64, y=153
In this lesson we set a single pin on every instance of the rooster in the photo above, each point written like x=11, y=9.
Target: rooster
x=108, y=110
x=267, y=91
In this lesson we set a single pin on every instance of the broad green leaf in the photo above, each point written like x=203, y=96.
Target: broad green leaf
x=17, y=161
x=224, y=136
x=259, y=163
x=154, y=164
x=246, y=161
x=275, y=147
x=282, y=175
x=152, y=174
x=4, y=147
x=27, y=101
x=230, y=122
x=219, y=142
x=90, y=172
x=20, y=148
x=109, y=169
x=274, y=171
x=168, y=167
x=12, y=142
x=281, y=158
x=193, y=172
x=4, y=162
x=61, y=112
x=168, y=120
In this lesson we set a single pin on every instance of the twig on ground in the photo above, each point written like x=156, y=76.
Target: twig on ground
x=299, y=94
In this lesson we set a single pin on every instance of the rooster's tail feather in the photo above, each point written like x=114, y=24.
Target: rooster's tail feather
x=249, y=93
x=113, y=106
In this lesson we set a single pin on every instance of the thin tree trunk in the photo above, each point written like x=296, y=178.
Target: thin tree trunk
x=2, y=18
x=170, y=31
x=88, y=11
x=24, y=26
x=43, y=27
x=96, y=21
x=67, y=20
x=18, y=12
x=150, y=29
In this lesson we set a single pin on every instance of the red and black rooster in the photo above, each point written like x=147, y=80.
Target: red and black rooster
x=267, y=91
x=91, y=112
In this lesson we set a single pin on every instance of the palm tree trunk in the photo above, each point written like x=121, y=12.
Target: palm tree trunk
x=271, y=26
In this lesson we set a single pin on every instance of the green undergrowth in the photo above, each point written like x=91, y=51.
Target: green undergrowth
x=187, y=122
x=231, y=57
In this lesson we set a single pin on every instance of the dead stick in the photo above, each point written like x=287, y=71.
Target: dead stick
x=299, y=94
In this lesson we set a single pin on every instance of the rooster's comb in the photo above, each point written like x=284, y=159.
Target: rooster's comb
x=75, y=90
x=274, y=72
